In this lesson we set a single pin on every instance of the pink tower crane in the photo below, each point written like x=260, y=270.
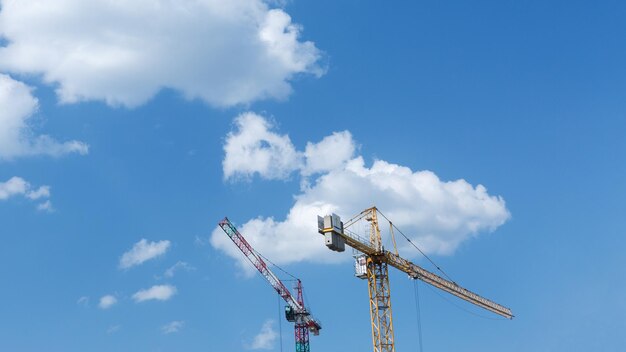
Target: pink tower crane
x=295, y=311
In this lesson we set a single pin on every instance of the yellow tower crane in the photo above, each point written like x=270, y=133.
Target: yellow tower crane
x=373, y=265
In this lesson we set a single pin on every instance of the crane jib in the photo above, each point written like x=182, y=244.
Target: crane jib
x=417, y=272
x=413, y=270
x=243, y=245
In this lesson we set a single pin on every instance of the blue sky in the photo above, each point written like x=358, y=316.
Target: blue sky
x=162, y=118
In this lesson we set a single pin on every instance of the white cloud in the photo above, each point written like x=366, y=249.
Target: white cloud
x=157, y=292
x=169, y=273
x=143, y=251
x=172, y=327
x=223, y=52
x=14, y=186
x=41, y=192
x=17, y=106
x=17, y=186
x=329, y=154
x=113, y=329
x=107, y=301
x=437, y=215
x=201, y=241
x=45, y=206
x=265, y=339
x=83, y=301
x=255, y=148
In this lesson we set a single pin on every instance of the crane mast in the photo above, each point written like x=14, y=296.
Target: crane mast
x=295, y=311
x=376, y=261
x=379, y=293
x=301, y=329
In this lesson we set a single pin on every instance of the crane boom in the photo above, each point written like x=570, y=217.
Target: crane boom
x=417, y=272
x=300, y=311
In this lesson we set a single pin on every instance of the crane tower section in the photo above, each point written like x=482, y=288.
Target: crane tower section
x=372, y=267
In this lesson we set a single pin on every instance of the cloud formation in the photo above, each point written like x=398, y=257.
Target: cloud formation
x=17, y=139
x=156, y=292
x=223, y=52
x=437, y=215
x=265, y=339
x=45, y=206
x=330, y=153
x=143, y=251
x=256, y=148
x=14, y=186
x=180, y=265
x=253, y=148
x=107, y=301
x=113, y=329
x=83, y=301
x=172, y=327
x=17, y=186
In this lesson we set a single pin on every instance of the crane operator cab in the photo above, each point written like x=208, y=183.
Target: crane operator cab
x=290, y=314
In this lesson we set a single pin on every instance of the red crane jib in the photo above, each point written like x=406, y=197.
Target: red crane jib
x=306, y=322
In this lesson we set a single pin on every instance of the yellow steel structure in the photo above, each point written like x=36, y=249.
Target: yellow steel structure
x=380, y=305
x=380, y=296
x=377, y=263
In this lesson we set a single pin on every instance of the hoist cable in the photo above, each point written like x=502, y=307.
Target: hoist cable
x=414, y=245
x=419, y=314
x=272, y=263
x=462, y=308
x=280, y=325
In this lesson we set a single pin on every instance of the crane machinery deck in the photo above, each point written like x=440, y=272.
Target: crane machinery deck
x=295, y=311
x=374, y=264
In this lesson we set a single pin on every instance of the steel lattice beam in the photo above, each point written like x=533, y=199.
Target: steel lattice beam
x=380, y=305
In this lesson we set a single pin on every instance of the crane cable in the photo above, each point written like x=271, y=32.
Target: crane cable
x=436, y=292
x=443, y=272
x=272, y=263
x=280, y=325
x=419, y=314
x=414, y=245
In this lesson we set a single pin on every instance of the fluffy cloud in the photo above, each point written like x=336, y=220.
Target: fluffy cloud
x=438, y=215
x=113, y=329
x=223, y=52
x=45, y=206
x=255, y=148
x=41, y=192
x=329, y=154
x=17, y=186
x=265, y=339
x=169, y=273
x=107, y=302
x=17, y=106
x=143, y=251
x=83, y=301
x=14, y=186
x=172, y=327
x=157, y=292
